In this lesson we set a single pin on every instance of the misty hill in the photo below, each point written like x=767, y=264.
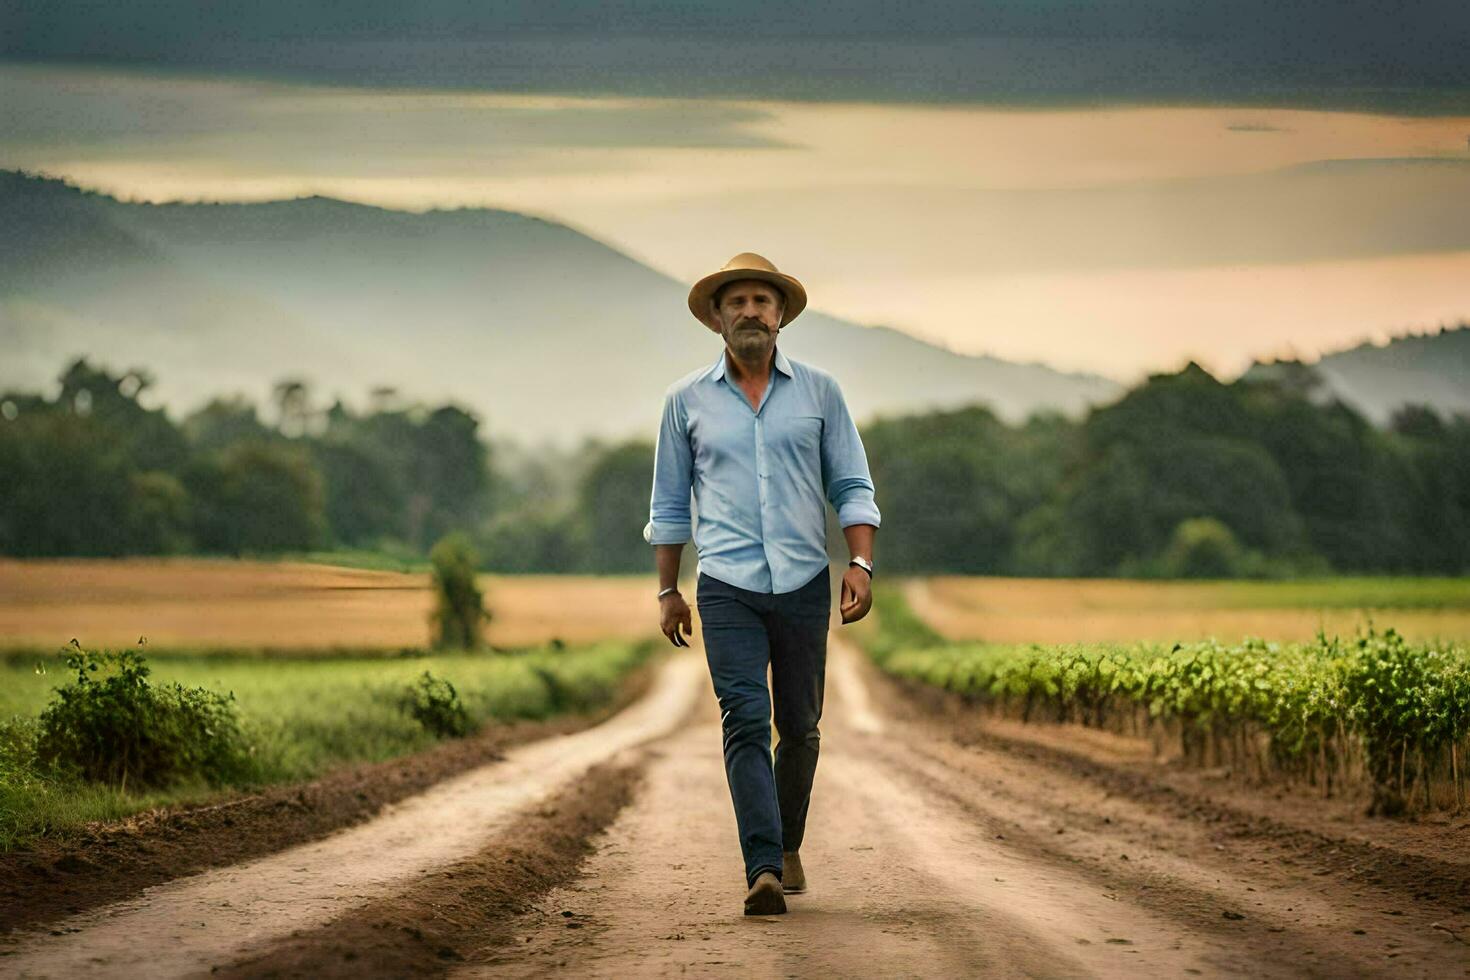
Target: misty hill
x=1430, y=369
x=544, y=331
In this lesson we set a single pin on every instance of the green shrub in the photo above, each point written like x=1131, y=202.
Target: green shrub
x=1203, y=547
x=119, y=728
x=17, y=750
x=459, y=611
x=434, y=703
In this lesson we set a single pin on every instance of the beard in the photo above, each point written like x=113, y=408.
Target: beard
x=750, y=336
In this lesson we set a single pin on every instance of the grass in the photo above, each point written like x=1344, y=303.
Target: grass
x=303, y=715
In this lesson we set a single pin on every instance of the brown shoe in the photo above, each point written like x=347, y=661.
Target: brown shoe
x=765, y=896
x=793, y=878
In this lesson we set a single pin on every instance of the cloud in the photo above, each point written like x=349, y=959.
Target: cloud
x=84, y=113
x=1345, y=54
x=894, y=213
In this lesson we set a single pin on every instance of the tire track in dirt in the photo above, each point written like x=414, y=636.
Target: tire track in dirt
x=222, y=915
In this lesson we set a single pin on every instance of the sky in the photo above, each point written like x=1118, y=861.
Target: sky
x=1113, y=192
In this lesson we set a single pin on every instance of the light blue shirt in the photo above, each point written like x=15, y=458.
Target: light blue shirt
x=761, y=477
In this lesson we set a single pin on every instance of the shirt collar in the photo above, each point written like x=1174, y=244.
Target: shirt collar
x=717, y=370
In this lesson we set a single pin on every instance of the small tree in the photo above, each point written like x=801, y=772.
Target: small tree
x=1203, y=547
x=459, y=612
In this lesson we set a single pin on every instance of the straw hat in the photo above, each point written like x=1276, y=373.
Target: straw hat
x=746, y=265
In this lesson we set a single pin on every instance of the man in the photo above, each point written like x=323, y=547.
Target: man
x=763, y=442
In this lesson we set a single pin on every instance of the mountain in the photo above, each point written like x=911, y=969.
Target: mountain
x=1427, y=369
x=547, y=333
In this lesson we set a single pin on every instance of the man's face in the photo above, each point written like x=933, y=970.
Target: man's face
x=749, y=314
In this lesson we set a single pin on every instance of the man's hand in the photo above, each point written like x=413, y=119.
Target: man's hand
x=857, y=594
x=673, y=612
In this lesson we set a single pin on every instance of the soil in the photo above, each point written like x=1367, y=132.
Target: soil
x=1427, y=853
x=452, y=914
x=938, y=844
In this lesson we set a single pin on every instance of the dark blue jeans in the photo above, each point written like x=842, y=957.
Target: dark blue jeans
x=743, y=632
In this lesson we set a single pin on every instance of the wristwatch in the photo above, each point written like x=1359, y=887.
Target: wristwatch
x=864, y=564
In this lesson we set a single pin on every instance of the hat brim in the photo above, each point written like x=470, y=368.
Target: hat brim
x=704, y=291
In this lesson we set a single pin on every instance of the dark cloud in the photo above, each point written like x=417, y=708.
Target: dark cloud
x=1309, y=53
x=84, y=113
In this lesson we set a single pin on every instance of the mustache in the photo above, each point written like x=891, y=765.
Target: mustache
x=750, y=322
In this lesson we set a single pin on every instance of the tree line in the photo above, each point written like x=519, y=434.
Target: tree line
x=1182, y=476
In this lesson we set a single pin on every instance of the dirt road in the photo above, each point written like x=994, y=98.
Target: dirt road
x=928, y=854
x=928, y=859
x=903, y=883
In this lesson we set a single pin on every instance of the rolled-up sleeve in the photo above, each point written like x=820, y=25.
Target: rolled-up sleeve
x=845, y=476
x=668, y=510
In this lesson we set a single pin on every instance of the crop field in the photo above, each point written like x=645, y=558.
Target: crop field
x=1372, y=714
x=1009, y=610
x=316, y=660
x=198, y=603
x=302, y=716
x=1110, y=791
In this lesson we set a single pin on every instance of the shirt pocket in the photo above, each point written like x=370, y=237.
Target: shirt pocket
x=798, y=435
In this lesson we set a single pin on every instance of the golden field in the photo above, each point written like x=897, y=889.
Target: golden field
x=189, y=602
x=1018, y=610
x=192, y=602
